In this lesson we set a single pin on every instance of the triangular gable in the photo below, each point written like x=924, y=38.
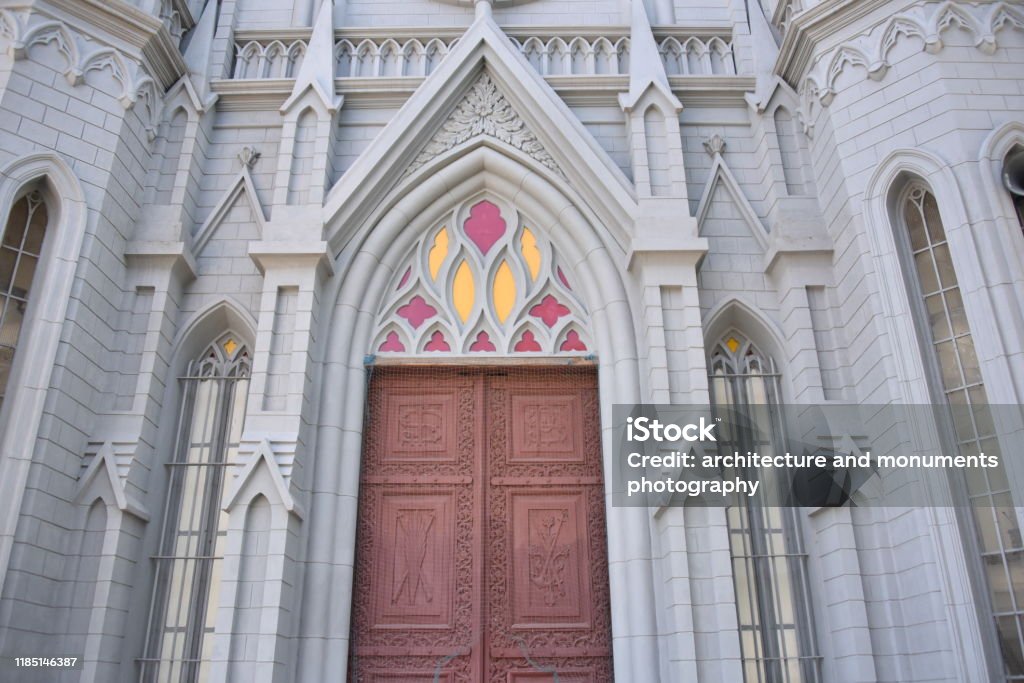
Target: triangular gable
x=587, y=167
x=243, y=185
x=101, y=480
x=184, y=91
x=246, y=487
x=721, y=175
x=775, y=90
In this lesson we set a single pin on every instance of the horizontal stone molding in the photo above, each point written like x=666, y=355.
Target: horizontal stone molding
x=22, y=32
x=926, y=21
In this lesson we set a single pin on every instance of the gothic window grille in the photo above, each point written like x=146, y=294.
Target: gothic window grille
x=773, y=601
x=947, y=336
x=188, y=566
x=19, y=258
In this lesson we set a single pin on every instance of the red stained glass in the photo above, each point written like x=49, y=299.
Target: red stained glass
x=485, y=226
x=549, y=310
x=483, y=343
x=573, y=342
x=437, y=343
x=565, y=281
x=528, y=344
x=405, y=278
x=416, y=311
x=392, y=344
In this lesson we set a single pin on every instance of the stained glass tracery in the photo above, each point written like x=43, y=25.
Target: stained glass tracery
x=483, y=281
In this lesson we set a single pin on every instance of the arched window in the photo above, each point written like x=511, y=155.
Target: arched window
x=1013, y=178
x=769, y=563
x=949, y=350
x=187, y=566
x=19, y=258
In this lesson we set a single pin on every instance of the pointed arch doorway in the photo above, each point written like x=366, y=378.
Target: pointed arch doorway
x=481, y=551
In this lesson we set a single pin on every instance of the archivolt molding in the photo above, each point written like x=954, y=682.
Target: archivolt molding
x=927, y=21
x=19, y=34
x=484, y=111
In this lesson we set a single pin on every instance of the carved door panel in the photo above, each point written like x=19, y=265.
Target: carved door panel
x=481, y=551
x=547, y=563
x=417, y=589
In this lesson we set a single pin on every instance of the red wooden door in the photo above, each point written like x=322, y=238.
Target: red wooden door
x=481, y=551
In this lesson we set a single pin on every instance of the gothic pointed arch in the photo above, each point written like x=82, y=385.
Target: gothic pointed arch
x=216, y=318
x=521, y=112
x=372, y=261
x=770, y=574
x=483, y=280
x=736, y=313
x=48, y=174
x=192, y=542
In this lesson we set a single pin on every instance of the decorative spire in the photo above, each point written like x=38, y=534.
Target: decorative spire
x=197, y=54
x=645, y=66
x=483, y=8
x=317, y=70
x=766, y=49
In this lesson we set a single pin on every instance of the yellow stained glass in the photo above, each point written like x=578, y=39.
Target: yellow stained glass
x=732, y=344
x=438, y=252
x=530, y=252
x=464, y=291
x=504, y=291
x=230, y=345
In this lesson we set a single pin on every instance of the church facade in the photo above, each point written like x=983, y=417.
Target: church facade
x=313, y=314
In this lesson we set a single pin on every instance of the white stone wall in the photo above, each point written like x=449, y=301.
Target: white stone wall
x=184, y=237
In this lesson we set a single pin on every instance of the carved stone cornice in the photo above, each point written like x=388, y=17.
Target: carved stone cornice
x=84, y=51
x=813, y=25
x=926, y=21
x=121, y=26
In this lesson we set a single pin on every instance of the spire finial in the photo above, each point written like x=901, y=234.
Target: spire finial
x=645, y=66
x=317, y=70
x=197, y=54
x=483, y=8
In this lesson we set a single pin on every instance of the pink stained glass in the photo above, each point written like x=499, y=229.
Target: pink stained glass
x=416, y=311
x=405, y=279
x=549, y=310
x=483, y=343
x=565, y=280
x=392, y=344
x=485, y=226
x=527, y=344
x=437, y=343
x=573, y=342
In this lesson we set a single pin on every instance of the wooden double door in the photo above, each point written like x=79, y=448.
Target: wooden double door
x=481, y=550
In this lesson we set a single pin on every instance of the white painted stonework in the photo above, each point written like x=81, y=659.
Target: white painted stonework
x=266, y=167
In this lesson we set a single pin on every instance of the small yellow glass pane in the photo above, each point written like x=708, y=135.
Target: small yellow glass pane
x=733, y=344
x=531, y=253
x=504, y=292
x=230, y=345
x=464, y=291
x=438, y=252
